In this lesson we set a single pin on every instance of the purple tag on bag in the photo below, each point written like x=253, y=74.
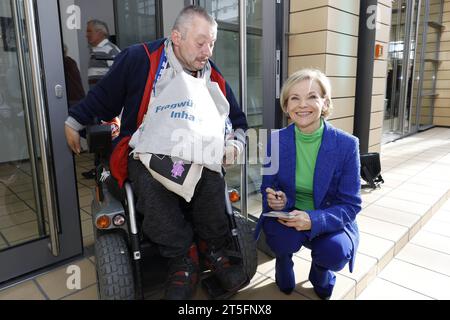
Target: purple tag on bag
x=173, y=170
x=178, y=169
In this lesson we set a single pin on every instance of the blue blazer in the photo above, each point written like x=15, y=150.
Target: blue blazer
x=337, y=185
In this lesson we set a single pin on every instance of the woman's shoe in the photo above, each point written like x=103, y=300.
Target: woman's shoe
x=322, y=295
x=286, y=291
x=284, y=274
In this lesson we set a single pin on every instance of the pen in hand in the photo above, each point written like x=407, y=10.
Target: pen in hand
x=276, y=200
x=276, y=194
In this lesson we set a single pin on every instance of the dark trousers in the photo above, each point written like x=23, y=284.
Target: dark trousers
x=165, y=212
x=330, y=252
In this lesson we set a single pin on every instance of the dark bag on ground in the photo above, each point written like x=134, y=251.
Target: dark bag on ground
x=371, y=170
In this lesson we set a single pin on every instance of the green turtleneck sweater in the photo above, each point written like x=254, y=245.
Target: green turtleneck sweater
x=307, y=146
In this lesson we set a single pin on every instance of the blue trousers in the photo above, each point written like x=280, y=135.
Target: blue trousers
x=330, y=253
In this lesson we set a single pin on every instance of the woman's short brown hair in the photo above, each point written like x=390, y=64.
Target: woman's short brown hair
x=313, y=75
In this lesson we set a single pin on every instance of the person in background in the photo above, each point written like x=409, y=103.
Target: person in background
x=102, y=55
x=318, y=182
x=75, y=90
x=102, y=51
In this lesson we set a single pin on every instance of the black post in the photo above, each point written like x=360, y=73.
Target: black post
x=364, y=76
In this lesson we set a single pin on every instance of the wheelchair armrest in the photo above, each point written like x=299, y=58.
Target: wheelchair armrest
x=99, y=140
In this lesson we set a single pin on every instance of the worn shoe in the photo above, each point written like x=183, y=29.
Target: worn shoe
x=323, y=281
x=89, y=174
x=183, y=277
x=322, y=295
x=231, y=277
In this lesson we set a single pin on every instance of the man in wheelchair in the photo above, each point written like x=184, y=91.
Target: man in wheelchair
x=169, y=88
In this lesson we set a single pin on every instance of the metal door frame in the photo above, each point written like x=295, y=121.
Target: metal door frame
x=421, y=94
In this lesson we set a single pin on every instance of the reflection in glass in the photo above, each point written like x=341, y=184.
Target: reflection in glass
x=418, y=67
x=426, y=73
x=136, y=21
x=396, y=58
x=401, y=63
x=223, y=11
x=226, y=56
x=228, y=11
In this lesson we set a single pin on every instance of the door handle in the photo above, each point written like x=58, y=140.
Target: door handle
x=59, y=91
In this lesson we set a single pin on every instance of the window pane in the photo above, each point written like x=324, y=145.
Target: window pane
x=226, y=56
x=228, y=11
x=22, y=213
x=223, y=11
x=136, y=21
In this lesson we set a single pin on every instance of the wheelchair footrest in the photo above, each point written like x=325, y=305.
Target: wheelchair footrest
x=215, y=291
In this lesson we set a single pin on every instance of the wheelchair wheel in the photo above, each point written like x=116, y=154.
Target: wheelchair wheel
x=247, y=245
x=114, y=267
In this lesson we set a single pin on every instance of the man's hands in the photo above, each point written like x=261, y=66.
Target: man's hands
x=301, y=221
x=277, y=200
x=73, y=139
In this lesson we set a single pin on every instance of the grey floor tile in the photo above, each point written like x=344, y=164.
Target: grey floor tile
x=381, y=289
x=382, y=229
x=443, y=216
x=439, y=227
x=264, y=288
x=55, y=283
x=12, y=220
x=87, y=294
x=87, y=228
x=427, y=258
x=413, y=196
x=25, y=291
x=391, y=215
x=403, y=205
x=374, y=246
x=432, y=241
x=418, y=279
x=3, y=244
x=22, y=231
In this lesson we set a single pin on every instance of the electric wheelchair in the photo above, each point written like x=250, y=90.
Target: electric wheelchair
x=128, y=264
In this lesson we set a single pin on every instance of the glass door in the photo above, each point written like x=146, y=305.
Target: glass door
x=38, y=201
x=228, y=59
x=93, y=33
x=137, y=21
x=427, y=66
x=402, y=57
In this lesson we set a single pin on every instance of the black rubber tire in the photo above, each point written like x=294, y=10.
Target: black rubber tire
x=114, y=268
x=247, y=245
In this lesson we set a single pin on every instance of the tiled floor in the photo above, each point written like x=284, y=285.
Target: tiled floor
x=405, y=238
x=422, y=268
x=18, y=221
